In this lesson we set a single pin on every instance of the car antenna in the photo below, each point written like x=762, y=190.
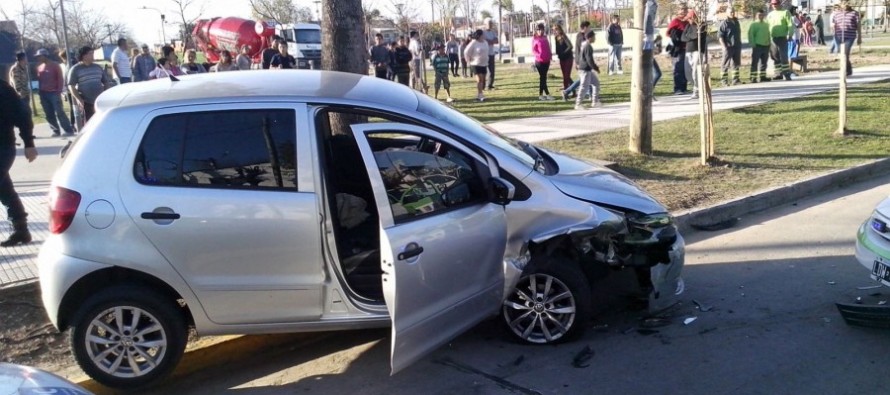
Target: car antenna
x=173, y=78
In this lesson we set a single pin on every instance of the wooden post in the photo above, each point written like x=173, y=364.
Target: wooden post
x=641, y=87
x=842, y=110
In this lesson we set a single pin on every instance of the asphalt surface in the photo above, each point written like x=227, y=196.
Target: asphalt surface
x=768, y=284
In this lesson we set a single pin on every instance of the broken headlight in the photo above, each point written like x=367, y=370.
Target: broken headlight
x=649, y=228
x=659, y=220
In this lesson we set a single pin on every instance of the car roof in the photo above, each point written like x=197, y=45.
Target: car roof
x=258, y=85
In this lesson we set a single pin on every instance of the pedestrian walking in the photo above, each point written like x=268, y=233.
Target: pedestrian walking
x=243, y=60
x=86, y=81
x=50, y=85
x=452, y=48
x=759, y=39
x=418, y=79
x=543, y=57
x=403, y=59
x=730, y=36
x=588, y=73
x=18, y=77
x=677, y=50
x=190, y=67
x=565, y=52
x=477, y=56
x=120, y=63
x=847, y=30
x=615, y=39
x=491, y=37
x=657, y=49
x=442, y=66
x=14, y=116
x=781, y=29
x=820, y=28
x=143, y=65
x=379, y=56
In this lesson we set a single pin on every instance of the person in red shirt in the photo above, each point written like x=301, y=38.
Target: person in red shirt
x=677, y=50
x=543, y=56
x=51, y=84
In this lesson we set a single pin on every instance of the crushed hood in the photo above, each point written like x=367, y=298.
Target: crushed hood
x=598, y=184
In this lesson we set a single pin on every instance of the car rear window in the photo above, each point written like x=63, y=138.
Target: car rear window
x=240, y=149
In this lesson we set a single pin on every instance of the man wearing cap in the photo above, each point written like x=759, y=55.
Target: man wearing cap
x=18, y=77
x=86, y=81
x=780, y=28
x=143, y=64
x=51, y=84
x=120, y=62
x=12, y=116
x=490, y=36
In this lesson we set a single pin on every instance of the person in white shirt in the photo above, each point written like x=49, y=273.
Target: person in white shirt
x=417, y=78
x=477, y=53
x=120, y=62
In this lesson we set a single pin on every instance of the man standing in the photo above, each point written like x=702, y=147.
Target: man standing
x=379, y=56
x=12, y=116
x=588, y=73
x=759, y=38
x=452, y=48
x=780, y=28
x=616, y=42
x=120, y=62
x=846, y=31
x=491, y=36
x=86, y=81
x=417, y=78
x=696, y=39
x=730, y=33
x=820, y=28
x=268, y=53
x=51, y=84
x=18, y=77
x=402, y=62
x=677, y=50
x=143, y=65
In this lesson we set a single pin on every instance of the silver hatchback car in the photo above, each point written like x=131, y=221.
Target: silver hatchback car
x=257, y=202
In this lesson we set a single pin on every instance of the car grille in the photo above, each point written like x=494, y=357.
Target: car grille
x=311, y=53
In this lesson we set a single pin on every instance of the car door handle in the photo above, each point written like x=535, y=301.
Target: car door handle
x=413, y=251
x=156, y=216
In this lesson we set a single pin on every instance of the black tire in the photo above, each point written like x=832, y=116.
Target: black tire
x=155, y=350
x=526, y=320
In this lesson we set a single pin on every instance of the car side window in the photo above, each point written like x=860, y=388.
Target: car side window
x=235, y=149
x=423, y=176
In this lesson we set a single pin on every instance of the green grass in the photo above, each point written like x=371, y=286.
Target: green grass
x=760, y=146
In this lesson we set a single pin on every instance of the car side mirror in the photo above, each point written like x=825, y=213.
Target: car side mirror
x=501, y=191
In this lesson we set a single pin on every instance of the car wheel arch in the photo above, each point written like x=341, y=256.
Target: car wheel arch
x=96, y=281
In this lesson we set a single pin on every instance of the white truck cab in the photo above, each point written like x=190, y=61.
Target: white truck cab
x=303, y=43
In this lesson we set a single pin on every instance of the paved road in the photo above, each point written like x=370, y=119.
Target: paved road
x=772, y=282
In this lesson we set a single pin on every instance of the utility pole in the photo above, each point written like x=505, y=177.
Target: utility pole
x=641, y=80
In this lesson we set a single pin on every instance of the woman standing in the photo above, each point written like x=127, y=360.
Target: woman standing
x=565, y=53
x=543, y=56
x=225, y=63
x=476, y=53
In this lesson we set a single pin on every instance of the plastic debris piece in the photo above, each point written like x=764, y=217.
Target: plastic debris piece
x=581, y=358
x=706, y=330
x=831, y=283
x=701, y=306
x=646, y=332
x=882, y=302
x=601, y=328
x=858, y=300
x=689, y=320
x=868, y=287
x=826, y=319
x=655, y=322
x=629, y=330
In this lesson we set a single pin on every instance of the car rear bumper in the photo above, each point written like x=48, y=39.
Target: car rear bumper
x=57, y=273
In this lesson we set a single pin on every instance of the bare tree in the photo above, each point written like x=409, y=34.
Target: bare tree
x=86, y=26
x=280, y=11
x=188, y=12
x=404, y=15
x=702, y=71
x=371, y=14
x=24, y=18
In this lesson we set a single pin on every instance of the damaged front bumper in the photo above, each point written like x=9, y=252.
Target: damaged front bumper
x=667, y=284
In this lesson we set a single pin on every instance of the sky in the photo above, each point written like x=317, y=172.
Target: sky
x=146, y=24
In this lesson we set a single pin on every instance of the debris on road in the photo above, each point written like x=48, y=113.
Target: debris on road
x=706, y=330
x=689, y=320
x=882, y=302
x=832, y=283
x=701, y=306
x=655, y=322
x=646, y=332
x=581, y=358
x=858, y=300
x=868, y=287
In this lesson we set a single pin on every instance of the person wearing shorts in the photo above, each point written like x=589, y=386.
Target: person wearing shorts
x=476, y=53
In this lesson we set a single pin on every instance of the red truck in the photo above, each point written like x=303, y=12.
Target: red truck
x=230, y=33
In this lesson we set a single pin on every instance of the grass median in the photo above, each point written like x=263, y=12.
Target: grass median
x=761, y=146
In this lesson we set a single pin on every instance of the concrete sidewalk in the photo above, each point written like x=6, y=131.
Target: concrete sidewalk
x=18, y=264
x=577, y=122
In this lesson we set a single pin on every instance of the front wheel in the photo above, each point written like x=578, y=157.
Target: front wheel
x=128, y=337
x=550, y=305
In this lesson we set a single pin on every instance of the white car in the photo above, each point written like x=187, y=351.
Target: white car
x=873, y=243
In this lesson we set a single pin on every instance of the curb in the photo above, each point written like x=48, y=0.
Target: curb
x=776, y=196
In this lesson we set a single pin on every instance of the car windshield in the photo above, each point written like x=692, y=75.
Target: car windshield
x=521, y=151
x=308, y=36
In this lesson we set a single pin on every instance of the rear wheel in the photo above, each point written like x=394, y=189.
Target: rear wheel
x=128, y=336
x=550, y=305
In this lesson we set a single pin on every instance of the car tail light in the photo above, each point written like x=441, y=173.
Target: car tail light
x=62, y=207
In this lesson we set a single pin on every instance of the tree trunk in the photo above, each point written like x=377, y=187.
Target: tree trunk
x=641, y=87
x=343, y=46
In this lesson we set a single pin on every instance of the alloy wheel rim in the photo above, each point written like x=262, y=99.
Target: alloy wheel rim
x=542, y=309
x=126, y=341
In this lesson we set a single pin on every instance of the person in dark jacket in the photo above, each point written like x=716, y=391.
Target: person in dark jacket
x=402, y=56
x=616, y=43
x=677, y=50
x=588, y=73
x=730, y=35
x=696, y=50
x=565, y=53
x=14, y=115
